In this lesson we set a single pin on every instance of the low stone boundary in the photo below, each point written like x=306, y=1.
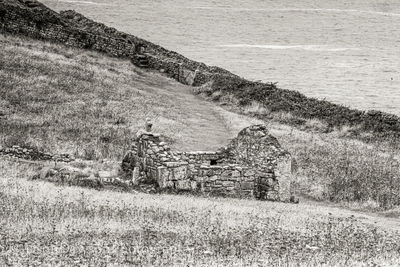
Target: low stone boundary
x=33, y=154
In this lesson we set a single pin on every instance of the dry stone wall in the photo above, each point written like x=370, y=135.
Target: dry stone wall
x=33, y=154
x=30, y=18
x=256, y=148
x=252, y=166
x=156, y=163
x=20, y=19
x=42, y=23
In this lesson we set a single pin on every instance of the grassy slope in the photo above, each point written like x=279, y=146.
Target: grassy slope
x=68, y=100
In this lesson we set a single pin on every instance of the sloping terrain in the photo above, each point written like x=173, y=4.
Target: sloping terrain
x=64, y=100
x=31, y=18
x=83, y=103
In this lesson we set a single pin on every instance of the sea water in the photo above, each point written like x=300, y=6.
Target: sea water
x=347, y=52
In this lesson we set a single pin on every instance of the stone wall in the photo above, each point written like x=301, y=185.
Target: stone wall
x=30, y=18
x=42, y=23
x=33, y=154
x=156, y=163
x=256, y=148
x=252, y=166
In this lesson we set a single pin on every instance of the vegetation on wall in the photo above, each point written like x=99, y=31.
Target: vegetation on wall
x=280, y=100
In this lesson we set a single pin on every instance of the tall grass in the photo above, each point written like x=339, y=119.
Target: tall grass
x=45, y=225
x=345, y=170
x=330, y=165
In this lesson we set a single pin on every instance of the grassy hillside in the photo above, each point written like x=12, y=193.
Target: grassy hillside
x=68, y=100
x=74, y=29
x=42, y=224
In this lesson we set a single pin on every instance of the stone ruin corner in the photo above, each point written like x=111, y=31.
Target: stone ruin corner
x=253, y=165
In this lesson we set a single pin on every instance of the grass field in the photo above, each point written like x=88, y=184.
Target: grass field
x=74, y=101
x=42, y=224
x=66, y=100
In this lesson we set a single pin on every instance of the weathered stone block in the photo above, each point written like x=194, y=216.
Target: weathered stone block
x=228, y=183
x=235, y=173
x=180, y=173
x=199, y=179
x=247, y=173
x=213, y=178
x=216, y=185
x=163, y=176
x=247, y=185
x=194, y=185
x=272, y=195
x=170, y=184
x=183, y=184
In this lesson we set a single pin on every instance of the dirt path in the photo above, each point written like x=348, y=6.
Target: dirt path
x=206, y=125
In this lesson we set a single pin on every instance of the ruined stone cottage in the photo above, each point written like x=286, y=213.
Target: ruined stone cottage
x=253, y=165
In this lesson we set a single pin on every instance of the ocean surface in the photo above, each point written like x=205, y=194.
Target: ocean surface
x=347, y=53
